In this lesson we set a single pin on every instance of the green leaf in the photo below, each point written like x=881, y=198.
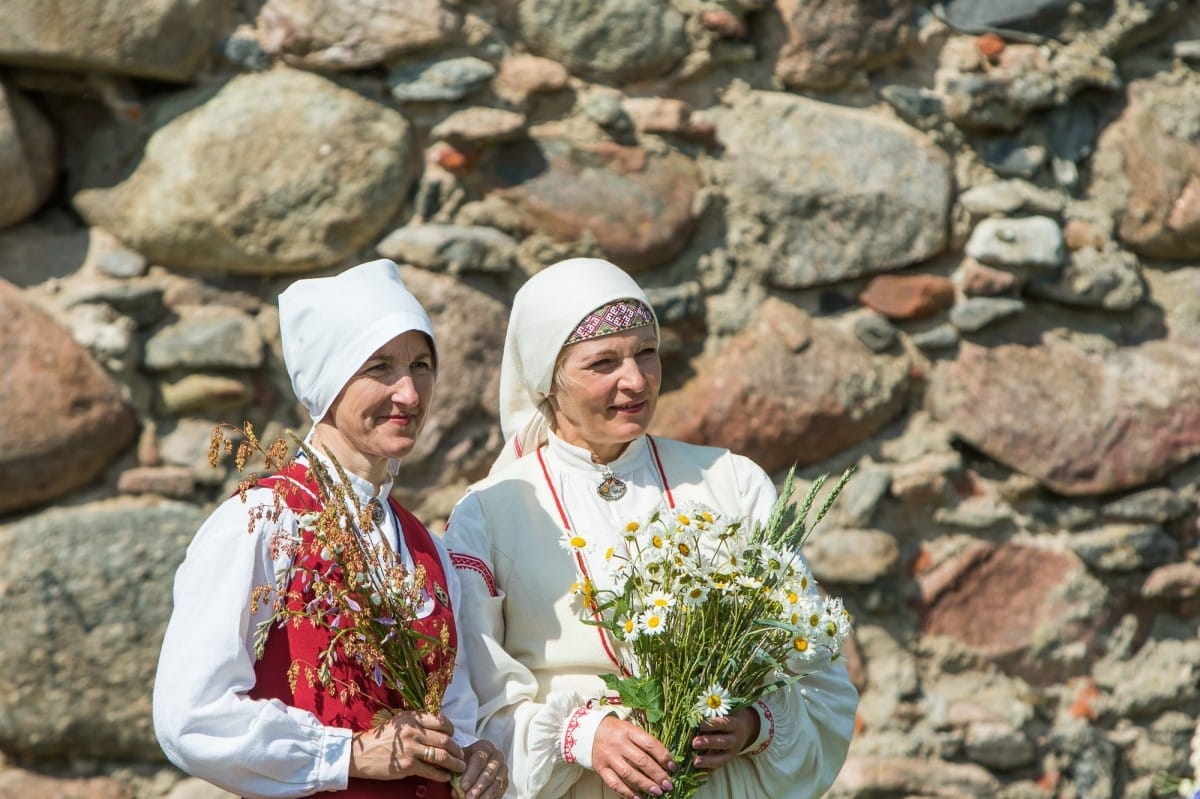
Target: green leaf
x=639, y=693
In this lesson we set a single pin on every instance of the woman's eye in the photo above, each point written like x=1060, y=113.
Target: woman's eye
x=421, y=366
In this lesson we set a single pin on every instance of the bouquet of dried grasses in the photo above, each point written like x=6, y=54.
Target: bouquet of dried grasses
x=356, y=587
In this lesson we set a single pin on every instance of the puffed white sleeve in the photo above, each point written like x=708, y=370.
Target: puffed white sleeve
x=534, y=735
x=204, y=720
x=459, y=704
x=804, y=728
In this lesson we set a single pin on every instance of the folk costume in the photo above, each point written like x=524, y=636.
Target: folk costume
x=238, y=722
x=534, y=664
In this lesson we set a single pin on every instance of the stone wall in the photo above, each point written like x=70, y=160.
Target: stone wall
x=956, y=245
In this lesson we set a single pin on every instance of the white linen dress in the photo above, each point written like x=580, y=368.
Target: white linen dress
x=535, y=667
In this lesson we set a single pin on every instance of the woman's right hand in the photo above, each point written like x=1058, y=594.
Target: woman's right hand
x=410, y=745
x=630, y=760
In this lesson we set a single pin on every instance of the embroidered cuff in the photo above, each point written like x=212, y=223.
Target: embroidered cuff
x=580, y=733
x=766, y=730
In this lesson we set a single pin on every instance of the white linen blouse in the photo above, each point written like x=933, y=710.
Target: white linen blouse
x=205, y=722
x=535, y=666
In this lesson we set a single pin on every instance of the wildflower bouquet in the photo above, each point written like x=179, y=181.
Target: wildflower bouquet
x=355, y=587
x=715, y=613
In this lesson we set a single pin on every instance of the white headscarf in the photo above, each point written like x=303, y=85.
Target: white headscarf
x=545, y=311
x=331, y=325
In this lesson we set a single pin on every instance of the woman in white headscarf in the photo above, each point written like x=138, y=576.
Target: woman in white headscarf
x=360, y=353
x=579, y=381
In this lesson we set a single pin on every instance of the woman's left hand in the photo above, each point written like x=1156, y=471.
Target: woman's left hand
x=486, y=774
x=719, y=740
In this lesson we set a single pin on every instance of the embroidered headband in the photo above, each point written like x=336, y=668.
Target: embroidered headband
x=611, y=318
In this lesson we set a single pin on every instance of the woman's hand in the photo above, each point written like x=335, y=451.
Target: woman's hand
x=719, y=740
x=410, y=745
x=487, y=773
x=630, y=760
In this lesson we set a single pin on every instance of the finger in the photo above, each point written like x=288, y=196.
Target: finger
x=489, y=786
x=644, y=775
x=652, y=748
x=434, y=722
x=477, y=762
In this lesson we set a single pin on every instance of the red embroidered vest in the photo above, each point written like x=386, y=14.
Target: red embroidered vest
x=291, y=643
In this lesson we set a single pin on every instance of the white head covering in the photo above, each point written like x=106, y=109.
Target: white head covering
x=331, y=325
x=545, y=312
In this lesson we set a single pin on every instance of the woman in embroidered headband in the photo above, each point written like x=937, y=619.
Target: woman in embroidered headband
x=360, y=353
x=579, y=381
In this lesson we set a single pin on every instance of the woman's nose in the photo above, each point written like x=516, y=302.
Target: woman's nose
x=404, y=391
x=632, y=377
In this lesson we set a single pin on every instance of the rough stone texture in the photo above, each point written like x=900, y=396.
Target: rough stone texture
x=20, y=784
x=28, y=161
x=353, y=34
x=92, y=585
x=849, y=556
x=1036, y=613
x=908, y=296
x=204, y=337
x=912, y=777
x=450, y=248
x=64, y=417
x=1152, y=153
x=188, y=205
x=828, y=40
x=607, y=40
x=779, y=397
x=637, y=205
x=460, y=433
x=161, y=39
x=849, y=193
x=1081, y=423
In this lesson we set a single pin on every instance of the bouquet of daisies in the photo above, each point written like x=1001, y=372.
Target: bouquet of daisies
x=715, y=613
x=356, y=587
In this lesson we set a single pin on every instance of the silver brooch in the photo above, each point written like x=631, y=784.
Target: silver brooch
x=376, y=509
x=440, y=593
x=611, y=487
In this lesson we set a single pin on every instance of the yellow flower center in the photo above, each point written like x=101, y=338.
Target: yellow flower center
x=714, y=701
x=801, y=644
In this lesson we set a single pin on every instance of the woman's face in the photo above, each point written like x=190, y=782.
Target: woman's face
x=379, y=412
x=605, y=390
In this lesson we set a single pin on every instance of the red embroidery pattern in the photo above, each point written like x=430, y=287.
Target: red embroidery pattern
x=569, y=739
x=766, y=714
x=470, y=563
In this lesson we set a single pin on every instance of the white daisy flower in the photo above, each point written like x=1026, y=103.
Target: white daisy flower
x=629, y=628
x=660, y=599
x=573, y=542
x=653, y=621
x=714, y=702
x=748, y=582
x=695, y=594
